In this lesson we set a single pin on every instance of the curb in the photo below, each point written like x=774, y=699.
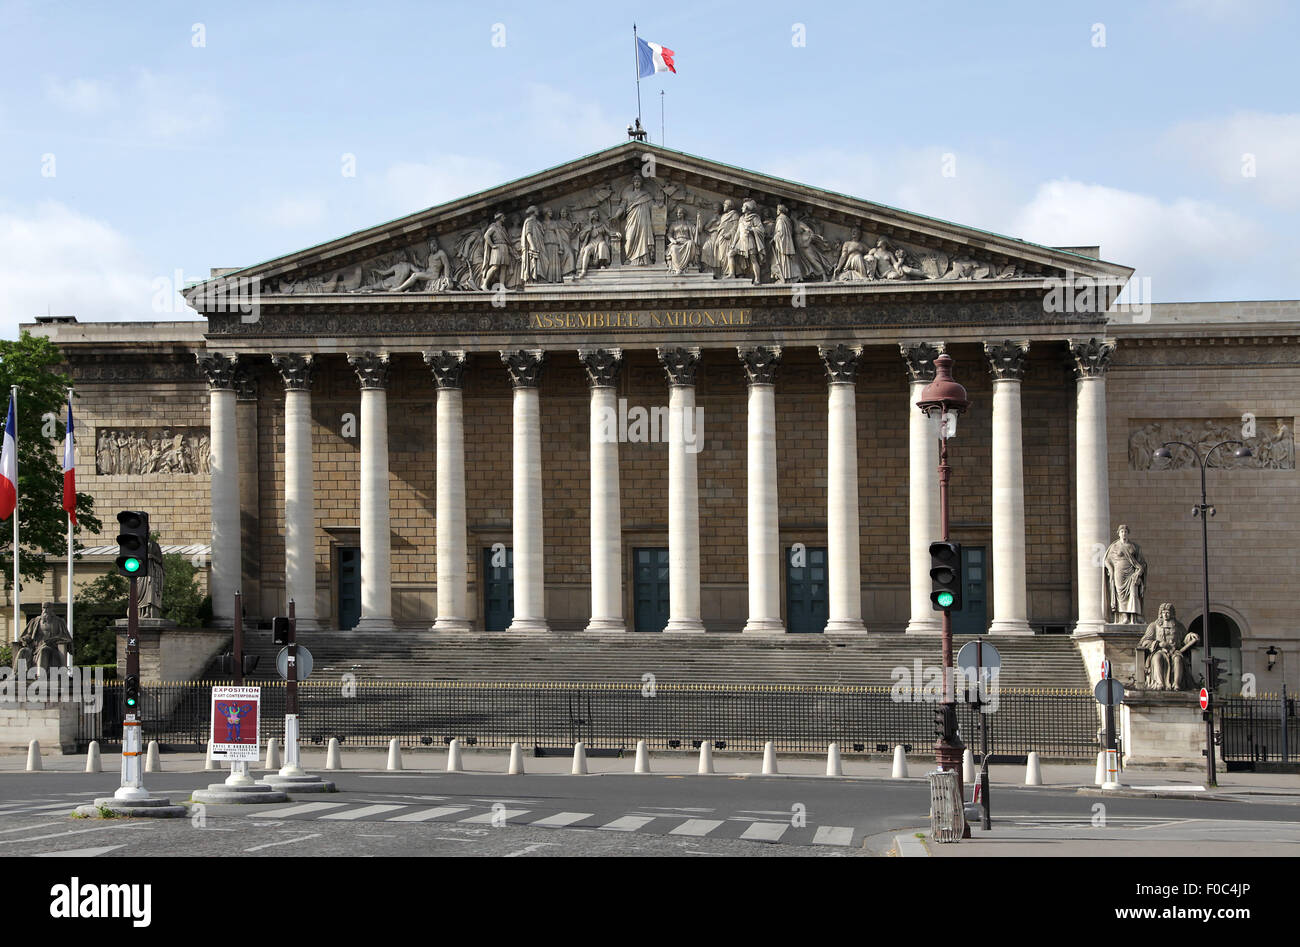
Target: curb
x=909, y=846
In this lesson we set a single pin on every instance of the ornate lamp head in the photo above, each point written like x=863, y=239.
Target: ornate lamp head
x=943, y=395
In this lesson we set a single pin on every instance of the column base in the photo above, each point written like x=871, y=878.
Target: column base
x=925, y=626
x=613, y=625
x=684, y=626
x=852, y=627
x=531, y=626
x=764, y=626
x=452, y=625
x=1085, y=629
x=1010, y=627
x=371, y=625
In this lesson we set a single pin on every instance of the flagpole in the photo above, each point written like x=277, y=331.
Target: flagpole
x=636, y=59
x=661, y=117
x=13, y=394
x=71, y=633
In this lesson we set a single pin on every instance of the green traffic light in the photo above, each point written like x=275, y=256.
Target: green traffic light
x=131, y=565
x=130, y=701
x=945, y=599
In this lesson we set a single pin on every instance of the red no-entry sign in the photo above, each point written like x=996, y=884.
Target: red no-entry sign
x=1205, y=699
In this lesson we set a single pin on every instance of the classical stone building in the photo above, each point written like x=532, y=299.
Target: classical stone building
x=646, y=392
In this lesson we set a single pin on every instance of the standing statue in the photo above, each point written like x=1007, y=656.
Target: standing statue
x=815, y=254
x=638, y=232
x=1162, y=653
x=723, y=231
x=749, y=246
x=1126, y=580
x=497, y=255
x=148, y=593
x=785, y=251
x=532, y=249
x=45, y=641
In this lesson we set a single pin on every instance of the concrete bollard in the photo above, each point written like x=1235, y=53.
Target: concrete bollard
x=210, y=763
x=1033, y=771
x=273, y=754
x=1100, y=777
x=516, y=760
x=333, y=759
x=642, y=758
x=900, y=763
x=34, y=756
x=93, y=764
x=968, y=767
x=579, y=759
x=706, y=758
x=769, y=759
x=152, y=764
x=394, y=754
x=453, y=756
x=834, y=766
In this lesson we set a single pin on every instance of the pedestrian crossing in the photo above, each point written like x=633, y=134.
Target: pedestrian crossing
x=745, y=826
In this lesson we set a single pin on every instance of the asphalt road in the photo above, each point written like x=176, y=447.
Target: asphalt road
x=442, y=814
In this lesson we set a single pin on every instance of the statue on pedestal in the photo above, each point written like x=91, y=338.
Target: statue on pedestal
x=1162, y=659
x=45, y=641
x=1126, y=580
x=148, y=593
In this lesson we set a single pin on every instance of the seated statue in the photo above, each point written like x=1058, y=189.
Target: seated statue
x=45, y=641
x=1162, y=661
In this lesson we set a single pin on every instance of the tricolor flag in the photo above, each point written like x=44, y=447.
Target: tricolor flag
x=69, y=470
x=652, y=58
x=9, y=465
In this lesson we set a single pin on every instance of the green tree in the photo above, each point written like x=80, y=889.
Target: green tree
x=98, y=606
x=180, y=594
x=32, y=362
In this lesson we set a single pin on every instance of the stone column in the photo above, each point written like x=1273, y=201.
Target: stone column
x=299, y=488
x=1092, y=479
x=1010, y=598
x=764, y=532
x=448, y=369
x=376, y=535
x=923, y=486
x=525, y=367
x=602, y=367
x=684, y=442
x=250, y=573
x=843, y=536
x=224, y=491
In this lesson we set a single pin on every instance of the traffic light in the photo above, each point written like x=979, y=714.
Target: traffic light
x=131, y=694
x=279, y=630
x=133, y=543
x=945, y=575
x=1216, y=674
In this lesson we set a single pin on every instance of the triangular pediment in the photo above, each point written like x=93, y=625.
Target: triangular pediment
x=639, y=218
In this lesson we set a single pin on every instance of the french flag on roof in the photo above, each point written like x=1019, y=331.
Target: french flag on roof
x=69, y=470
x=9, y=465
x=652, y=58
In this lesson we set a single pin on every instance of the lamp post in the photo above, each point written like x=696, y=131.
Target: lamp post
x=942, y=400
x=1204, y=510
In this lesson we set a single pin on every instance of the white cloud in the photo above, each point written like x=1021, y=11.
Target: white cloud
x=555, y=117
x=81, y=95
x=1254, y=154
x=169, y=108
x=54, y=257
x=290, y=213
x=410, y=186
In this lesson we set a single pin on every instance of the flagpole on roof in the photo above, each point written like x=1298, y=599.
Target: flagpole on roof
x=661, y=117
x=636, y=62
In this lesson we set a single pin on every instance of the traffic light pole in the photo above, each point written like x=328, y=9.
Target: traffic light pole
x=948, y=749
x=292, y=766
x=132, y=787
x=1210, y=780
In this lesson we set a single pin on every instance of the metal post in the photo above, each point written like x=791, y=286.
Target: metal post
x=1205, y=629
x=132, y=739
x=239, y=768
x=1286, y=748
x=292, y=766
x=948, y=753
x=986, y=816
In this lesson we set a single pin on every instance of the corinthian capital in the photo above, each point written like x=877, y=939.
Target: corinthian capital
x=219, y=369
x=602, y=366
x=918, y=359
x=841, y=362
x=760, y=362
x=448, y=368
x=1091, y=358
x=680, y=363
x=1007, y=359
x=296, y=370
x=524, y=366
x=371, y=369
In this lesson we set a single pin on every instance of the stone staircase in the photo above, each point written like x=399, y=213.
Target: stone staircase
x=1032, y=661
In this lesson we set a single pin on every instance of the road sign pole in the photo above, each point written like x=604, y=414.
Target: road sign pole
x=986, y=816
x=239, y=768
x=292, y=766
x=132, y=739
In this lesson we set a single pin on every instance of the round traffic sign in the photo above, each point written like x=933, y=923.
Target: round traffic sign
x=304, y=662
x=1109, y=691
x=1205, y=699
x=987, y=654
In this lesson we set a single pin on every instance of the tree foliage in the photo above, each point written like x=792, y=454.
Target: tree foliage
x=32, y=362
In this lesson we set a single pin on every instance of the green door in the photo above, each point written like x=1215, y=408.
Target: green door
x=972, y=617
x=349, y=585
x=498, y=591
x=807, y=603
x=650, y=588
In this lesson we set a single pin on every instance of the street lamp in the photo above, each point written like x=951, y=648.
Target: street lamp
x=1205, y=511
x=942, y=400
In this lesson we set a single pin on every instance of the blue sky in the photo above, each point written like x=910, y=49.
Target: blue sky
x=130, y=150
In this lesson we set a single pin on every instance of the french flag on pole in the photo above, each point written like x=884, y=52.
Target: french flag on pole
x=9, y=465
x=69, y=471
x=652, y=58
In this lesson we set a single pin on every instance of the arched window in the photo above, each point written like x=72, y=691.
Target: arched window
x=1225, y=643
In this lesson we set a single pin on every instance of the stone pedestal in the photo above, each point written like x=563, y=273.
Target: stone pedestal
x=1117, y=644
x=1162, y=728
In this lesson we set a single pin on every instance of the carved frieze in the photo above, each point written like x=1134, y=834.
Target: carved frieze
x=152, y=450
x=1271, y=442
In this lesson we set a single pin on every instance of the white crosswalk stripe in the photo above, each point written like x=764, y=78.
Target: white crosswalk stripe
x=353, y=814
x=303, y=809
x=629, y=823
x=428, y=815
x=487, y=817
x=696, y=827
x=561, y=819
x=833, y=835
x=765, y=831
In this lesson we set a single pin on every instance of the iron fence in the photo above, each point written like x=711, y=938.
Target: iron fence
x=1057, y=722
x=1259, y=729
